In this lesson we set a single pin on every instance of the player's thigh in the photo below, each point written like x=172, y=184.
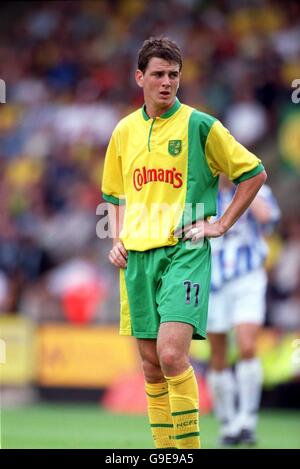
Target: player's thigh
x=174, y=337
x=141, y=280
x=184, y=290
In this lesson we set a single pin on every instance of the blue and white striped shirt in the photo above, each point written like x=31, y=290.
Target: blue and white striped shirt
x=243, y=248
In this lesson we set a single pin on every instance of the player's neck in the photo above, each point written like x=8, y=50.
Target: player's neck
x=156, y=111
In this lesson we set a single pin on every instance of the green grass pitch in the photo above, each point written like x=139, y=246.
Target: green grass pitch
x=89, y=426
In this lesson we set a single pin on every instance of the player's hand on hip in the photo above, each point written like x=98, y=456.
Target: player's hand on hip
x=118, y=255
x=202, y=229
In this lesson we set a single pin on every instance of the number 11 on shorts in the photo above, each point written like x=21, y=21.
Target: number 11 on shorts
x=188, y=292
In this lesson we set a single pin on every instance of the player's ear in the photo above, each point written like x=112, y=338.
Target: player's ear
x=139, y=76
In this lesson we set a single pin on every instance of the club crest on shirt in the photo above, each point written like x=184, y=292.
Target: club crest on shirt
x=174, y=147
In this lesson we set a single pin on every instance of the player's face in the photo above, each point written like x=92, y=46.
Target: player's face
x=160, y=83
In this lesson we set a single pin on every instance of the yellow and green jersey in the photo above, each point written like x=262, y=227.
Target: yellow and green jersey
x=167, y=167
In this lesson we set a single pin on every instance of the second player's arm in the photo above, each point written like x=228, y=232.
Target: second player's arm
x=263, y=211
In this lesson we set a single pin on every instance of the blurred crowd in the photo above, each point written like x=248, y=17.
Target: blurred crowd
x=69, y=73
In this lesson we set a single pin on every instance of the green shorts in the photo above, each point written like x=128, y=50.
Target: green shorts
x=166, y=284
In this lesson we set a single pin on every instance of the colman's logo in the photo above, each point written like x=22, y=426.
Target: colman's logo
x=145, y=175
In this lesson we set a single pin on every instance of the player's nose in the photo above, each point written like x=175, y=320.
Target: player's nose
x=166, y=81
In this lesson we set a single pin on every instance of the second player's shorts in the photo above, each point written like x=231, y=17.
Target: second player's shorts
x=166, y=284
x=240, y=300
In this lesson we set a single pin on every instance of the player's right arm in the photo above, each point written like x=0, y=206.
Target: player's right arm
x=118, y=253
x=113, y=193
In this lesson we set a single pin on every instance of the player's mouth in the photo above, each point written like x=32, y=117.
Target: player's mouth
x=165, y=94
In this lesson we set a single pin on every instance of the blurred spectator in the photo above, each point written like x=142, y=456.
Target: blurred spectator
x=246, y=119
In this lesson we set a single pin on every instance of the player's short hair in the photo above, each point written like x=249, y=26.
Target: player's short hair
x=161, y=47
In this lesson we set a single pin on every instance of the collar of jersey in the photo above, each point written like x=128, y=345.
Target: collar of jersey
x=167, y=114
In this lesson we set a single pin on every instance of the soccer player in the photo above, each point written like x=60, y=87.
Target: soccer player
x=162, y=159
x=237, y=301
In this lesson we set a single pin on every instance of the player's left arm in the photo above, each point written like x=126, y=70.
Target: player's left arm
x=244, y=195
x=225, y=155
x=242, y=199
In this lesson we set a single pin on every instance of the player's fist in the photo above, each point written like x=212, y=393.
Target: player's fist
x=118, y=255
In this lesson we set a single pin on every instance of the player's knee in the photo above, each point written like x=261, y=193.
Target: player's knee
x=171, y=360
x=152, y=371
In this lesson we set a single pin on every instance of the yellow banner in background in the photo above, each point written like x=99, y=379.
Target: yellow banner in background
x=289, y=138
x=87, y=357
x=18, y=358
